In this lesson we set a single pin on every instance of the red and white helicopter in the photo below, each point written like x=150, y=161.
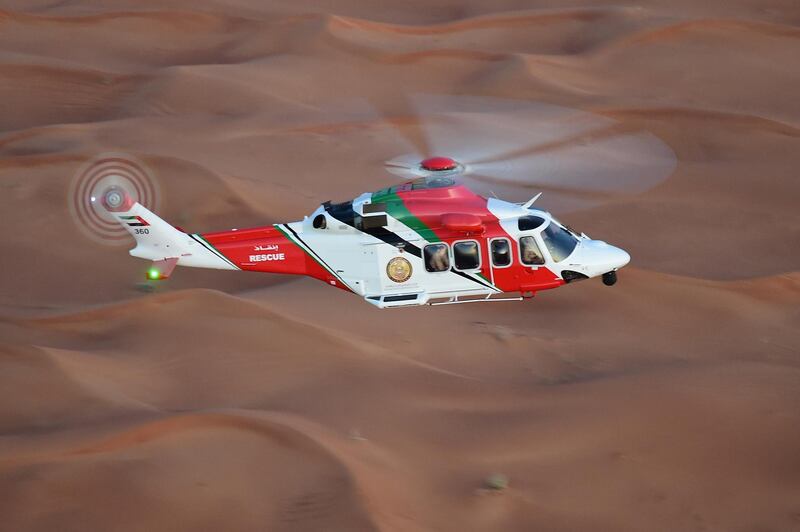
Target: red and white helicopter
x=442, y=236
x=431, y=240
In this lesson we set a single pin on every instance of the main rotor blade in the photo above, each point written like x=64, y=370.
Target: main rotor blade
x=613, y=162
x=403, y=117
x=575, y=134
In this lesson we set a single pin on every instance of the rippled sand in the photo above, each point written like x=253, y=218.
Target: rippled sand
x=253, y=402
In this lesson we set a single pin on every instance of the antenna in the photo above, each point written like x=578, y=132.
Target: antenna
x=527, y=204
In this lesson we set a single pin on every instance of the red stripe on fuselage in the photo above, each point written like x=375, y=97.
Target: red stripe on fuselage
x=267, y=249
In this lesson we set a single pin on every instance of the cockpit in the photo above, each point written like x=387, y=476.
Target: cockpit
x=539, y=231
x=559, y=240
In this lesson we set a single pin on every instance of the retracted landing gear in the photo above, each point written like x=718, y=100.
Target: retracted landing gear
x=609, y=278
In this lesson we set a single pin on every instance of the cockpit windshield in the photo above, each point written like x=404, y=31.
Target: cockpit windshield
x=560, y=242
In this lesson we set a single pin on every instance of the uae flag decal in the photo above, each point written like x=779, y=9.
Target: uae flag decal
x=134, y=221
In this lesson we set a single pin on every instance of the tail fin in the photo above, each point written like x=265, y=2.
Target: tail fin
x=156, y=239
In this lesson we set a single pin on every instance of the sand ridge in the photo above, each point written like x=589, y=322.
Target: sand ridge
x=231, y=401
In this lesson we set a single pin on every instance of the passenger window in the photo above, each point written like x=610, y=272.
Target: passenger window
x=501, y=252
x=526, y=223
x=530, y=251
x=467, y=255
x=437, y=258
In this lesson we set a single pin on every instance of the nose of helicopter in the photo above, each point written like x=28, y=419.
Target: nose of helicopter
x=620, y=257
x=598, y=258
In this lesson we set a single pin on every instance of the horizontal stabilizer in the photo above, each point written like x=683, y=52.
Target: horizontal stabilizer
x=161, y=269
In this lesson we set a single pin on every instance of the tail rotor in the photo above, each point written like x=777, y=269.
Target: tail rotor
x=106, y=184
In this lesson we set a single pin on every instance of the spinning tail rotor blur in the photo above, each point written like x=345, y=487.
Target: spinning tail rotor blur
x=99, y=183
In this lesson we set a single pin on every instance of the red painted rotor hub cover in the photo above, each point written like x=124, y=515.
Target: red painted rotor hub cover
x=116, y=199
x=439, y=164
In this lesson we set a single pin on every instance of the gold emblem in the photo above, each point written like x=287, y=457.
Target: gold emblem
x=398, y=270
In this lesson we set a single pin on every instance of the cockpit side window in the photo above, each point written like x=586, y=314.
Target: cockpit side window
x=530, y=222
x=437, y=258
x=529, y=251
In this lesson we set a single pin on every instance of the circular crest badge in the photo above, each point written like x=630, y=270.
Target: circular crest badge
x=399, y=270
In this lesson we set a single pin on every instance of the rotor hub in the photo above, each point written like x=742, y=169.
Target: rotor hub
x=116, y=199
x=439, y=164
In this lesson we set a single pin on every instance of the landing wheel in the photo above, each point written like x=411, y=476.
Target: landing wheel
x=609, y=278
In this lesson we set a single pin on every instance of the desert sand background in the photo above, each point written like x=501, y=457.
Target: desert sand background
x=229, y=401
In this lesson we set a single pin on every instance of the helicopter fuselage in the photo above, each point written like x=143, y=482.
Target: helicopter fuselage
x=422, y=243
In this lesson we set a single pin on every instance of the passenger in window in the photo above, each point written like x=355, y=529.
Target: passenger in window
x=440, y=260
x=437, y=258
x=530, y=251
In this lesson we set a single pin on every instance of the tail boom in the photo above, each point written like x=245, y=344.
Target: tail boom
x=270, y=249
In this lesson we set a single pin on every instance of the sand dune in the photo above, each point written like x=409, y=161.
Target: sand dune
x=227, y=401
x=315, y=490
x=526, y=392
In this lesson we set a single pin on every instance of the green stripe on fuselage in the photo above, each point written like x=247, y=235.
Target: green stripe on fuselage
x=214, y=250
x=291, y=239
x=397, y=210
x=305, y=248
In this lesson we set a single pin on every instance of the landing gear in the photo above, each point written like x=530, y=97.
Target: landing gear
x=609, y=278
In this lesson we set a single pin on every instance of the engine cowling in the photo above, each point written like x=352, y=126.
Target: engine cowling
x=463, y=222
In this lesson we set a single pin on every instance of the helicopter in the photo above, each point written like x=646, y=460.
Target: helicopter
x=431, y=240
